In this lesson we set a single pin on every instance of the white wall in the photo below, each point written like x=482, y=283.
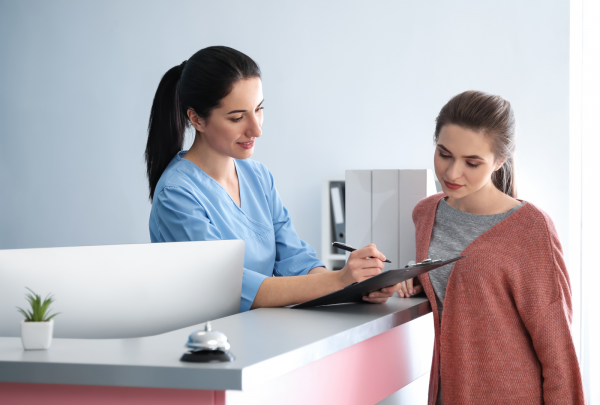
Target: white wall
x=584, y=193
x=348, y=85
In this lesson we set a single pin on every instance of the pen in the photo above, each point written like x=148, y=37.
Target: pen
x=349, y=248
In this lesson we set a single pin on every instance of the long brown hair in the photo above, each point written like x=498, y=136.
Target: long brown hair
x=492, y=116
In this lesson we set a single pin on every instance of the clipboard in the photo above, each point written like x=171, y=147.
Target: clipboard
x=355, y=292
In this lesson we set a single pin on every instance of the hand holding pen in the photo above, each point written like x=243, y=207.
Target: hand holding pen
x=364, y=257
x=349, y=248
x=404, y=289
x=363, y=264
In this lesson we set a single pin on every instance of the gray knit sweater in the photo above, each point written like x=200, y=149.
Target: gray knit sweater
x=453, y=231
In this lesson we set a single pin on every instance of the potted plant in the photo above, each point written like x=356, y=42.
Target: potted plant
x=37, y=327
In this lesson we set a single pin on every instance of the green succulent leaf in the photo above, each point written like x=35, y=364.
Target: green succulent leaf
x=25, y=314
x=51, y=316
x=39, y=308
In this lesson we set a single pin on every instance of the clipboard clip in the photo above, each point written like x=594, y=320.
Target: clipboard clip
x=424, y=262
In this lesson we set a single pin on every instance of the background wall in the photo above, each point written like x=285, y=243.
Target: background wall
x=348, y=85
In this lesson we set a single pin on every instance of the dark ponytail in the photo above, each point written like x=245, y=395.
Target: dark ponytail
x=166, y=127
x=199, y=83
x=494, y=117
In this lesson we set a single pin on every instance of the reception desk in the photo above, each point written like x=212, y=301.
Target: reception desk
x=345, y=354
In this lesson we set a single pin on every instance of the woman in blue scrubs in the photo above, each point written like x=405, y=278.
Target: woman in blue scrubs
x=213, y=191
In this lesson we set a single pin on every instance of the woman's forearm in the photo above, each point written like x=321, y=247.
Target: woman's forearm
x=318, y=270
x=283, y=291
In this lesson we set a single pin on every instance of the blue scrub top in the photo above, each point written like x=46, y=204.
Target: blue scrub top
x=189, y=205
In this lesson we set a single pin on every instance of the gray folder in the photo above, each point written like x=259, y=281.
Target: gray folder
x=338, y=221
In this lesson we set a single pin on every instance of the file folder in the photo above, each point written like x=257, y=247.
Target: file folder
x=338, y=218
x=355, y=292
x=385, y=227
x=358, y=208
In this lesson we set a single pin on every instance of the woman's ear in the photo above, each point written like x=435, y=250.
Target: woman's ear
x=197, y=122
x=499, y=164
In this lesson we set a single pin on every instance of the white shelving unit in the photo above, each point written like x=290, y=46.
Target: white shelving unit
x=328, y=257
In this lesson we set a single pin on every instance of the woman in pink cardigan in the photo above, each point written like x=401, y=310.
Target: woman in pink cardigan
x=502, y=315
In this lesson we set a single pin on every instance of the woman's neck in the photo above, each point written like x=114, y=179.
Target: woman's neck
x=488, y=200
x=218, y=166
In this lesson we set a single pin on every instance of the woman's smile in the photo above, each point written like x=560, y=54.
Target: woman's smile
x=453, y=186
x=246, y=145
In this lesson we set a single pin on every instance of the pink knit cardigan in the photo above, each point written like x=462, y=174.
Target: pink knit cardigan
x=505, y=337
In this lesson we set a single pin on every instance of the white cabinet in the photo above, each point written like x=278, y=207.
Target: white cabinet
x=379, y=205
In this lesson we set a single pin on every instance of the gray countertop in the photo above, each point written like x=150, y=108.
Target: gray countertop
x=266, y=343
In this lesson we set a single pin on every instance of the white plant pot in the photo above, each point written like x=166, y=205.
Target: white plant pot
x=37, y=335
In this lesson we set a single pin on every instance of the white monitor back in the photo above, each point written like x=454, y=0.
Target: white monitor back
x=124, y=291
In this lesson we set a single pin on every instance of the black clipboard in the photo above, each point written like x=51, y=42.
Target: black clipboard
x=355, y=292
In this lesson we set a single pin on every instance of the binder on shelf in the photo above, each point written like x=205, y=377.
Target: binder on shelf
x=414, y=185
x=358, y=207
x=384, y=214
x=338, y=219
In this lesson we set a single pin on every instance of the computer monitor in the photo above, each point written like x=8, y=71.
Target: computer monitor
x=124, y=291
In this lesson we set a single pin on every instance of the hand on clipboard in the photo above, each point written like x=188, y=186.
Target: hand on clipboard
x=355, y=292
x=405, y=289
x=361, y=265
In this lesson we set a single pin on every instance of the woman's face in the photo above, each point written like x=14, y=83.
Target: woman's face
x=464, y=161
x=232, y=128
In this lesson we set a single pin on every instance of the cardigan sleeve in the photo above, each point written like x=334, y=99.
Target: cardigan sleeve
x=551, y=338
x=550, y=326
